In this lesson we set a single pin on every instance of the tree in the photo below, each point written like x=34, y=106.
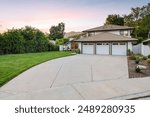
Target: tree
x=62, y=41
x=115, y=19
x=139, y=19
x=136, y=13
x=57, y=32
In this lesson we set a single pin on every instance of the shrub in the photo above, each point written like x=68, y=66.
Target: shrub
x=62, y=41
x=53, y=47
x=76, y=51
x=23, y=40
x=138, y=59
x=148, y=60
x=144, y=58
x=148, y=56
x=132, y=57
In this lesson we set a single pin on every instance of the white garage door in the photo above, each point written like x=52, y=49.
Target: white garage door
x=119, y=48
x=102, y=48
x=88, y=48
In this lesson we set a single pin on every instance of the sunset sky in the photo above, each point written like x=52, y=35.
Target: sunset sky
x=76, y=14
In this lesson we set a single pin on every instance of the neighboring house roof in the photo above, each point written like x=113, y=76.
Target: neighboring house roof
x=109, y=28
x=146, y=41
x=72, y=33
x=103, y=37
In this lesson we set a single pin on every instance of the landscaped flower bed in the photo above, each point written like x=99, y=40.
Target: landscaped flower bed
x=135, y=60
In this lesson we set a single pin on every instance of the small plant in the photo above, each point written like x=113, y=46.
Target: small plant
x=137, y=59
x=148, y=60
x=148, y=56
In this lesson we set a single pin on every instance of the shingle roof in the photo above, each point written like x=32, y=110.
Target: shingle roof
x=103, y=36
x=109, y=28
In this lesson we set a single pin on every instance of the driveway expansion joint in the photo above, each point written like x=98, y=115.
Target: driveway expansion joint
x=92, y=74
x=56, y=76
x=77, y=92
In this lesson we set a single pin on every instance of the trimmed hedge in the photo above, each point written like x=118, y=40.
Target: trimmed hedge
x=24, y=40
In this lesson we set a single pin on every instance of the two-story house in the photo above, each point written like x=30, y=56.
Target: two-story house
x=107, y=40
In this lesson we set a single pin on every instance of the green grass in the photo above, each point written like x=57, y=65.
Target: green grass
x=14, y=64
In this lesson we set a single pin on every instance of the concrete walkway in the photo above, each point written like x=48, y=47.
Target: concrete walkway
x=77, y=77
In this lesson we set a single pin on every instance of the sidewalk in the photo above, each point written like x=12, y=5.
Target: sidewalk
x=112, y=89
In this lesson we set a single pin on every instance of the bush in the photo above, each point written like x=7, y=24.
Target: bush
x=132, y=57
x=53, y=47
x=62, y=41
x=76, y=51
x=148, y=56
x=24, y=40
x=148, y=60
x=144, y=58
x=138, y=59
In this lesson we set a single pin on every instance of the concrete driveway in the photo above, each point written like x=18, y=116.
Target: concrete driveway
x=76, y=77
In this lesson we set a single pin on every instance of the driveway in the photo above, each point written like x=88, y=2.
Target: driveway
x=76, y=77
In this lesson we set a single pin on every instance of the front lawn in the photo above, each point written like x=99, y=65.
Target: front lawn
x=14, y=64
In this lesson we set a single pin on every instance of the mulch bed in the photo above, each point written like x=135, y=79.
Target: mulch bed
x=133, y=74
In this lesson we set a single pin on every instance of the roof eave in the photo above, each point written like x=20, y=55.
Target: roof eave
x=106, y=30
x=107, y=41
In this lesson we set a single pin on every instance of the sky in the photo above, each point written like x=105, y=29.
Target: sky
x=77, y=15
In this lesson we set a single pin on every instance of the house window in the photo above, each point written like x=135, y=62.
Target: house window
x=121, y=32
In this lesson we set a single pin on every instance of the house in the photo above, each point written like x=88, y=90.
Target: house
x=107, y=40
x=142, y=48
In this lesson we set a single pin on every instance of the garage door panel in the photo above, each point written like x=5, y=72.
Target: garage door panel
x=88, y=49
x=102, y=49
x=119, y=49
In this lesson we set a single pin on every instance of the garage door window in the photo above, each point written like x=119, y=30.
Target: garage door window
x=115, y=43
x=88, y=44
x=122, y=43
x=102, y=43
x=99, y=43
x=105, y=43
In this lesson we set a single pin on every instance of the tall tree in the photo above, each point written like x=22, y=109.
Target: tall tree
x=57, y=32
x=136, y=13
x=115, y=19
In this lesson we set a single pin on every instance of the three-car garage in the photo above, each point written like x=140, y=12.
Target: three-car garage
x=105, y=48
x=105, y=44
